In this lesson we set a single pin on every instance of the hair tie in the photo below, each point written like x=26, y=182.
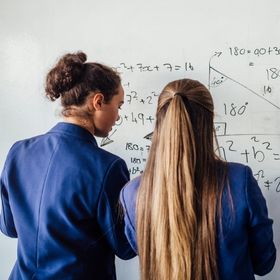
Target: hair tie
x=182, y=95
x=185, y=99
x=177, y=93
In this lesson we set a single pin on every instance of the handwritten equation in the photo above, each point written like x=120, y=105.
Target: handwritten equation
x=260, y=51
x=245, y=112
x=166, y=66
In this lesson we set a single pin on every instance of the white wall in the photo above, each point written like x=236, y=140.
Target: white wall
x=200, y=34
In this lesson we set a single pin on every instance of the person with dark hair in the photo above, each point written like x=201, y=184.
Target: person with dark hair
x=191, y=215
x=60, y=190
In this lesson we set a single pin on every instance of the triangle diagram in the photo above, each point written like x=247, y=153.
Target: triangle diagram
x=241, y=110
x=107, y=140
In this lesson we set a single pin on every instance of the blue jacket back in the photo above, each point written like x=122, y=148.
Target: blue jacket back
x=245, y=244
x=59, y=196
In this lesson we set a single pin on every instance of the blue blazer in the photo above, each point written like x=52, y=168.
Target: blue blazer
x=245, y=242
x=59, y=196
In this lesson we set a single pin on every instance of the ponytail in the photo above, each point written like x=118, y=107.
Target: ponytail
x=180, y=193
x=167, y=194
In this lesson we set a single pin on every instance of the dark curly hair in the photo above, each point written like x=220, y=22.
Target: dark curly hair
x=73, y=79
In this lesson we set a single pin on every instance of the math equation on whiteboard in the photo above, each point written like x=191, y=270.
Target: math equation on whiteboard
x=245, y=86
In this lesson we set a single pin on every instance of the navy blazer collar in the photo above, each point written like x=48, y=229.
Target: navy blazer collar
x=73, y=130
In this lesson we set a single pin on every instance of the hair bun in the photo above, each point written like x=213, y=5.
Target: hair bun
x=69, y=58
x=65, y=75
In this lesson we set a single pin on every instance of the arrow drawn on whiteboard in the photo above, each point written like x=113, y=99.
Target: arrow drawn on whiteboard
x=216, y=54
x=149, y=136
x=107, y=140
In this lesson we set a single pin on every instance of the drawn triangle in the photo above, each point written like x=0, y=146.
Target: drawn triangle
x=149, y=136
x=107, y=140
x=241, y=109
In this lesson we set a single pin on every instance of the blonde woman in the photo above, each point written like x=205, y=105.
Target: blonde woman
x=191, y=215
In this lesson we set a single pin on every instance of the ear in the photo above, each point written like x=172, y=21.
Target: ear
x=97, y=101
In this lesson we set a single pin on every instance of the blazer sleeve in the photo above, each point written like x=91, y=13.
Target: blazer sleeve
x=261, y=246
x=130, y=231
x=7, y=225
x=109, y=214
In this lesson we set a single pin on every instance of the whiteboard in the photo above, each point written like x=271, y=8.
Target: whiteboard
x=232, y=47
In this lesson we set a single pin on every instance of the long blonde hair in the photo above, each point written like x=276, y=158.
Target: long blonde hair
x=180, y=192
